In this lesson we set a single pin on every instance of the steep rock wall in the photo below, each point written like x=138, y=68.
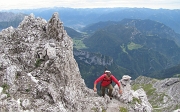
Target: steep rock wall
x=38, y=71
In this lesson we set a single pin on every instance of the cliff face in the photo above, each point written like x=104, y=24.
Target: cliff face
x=93, y=58
x=38, y=72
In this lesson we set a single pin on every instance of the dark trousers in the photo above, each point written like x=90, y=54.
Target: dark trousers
x=110, y=89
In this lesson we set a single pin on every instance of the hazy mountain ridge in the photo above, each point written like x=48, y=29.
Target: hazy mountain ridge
x=9, y=16
x=8, y=19
x=78, y=18
x=149, y=27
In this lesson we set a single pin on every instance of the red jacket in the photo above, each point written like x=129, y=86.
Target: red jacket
x=106, y=81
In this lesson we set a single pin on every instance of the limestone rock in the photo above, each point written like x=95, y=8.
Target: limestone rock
x=164, y=93
x=136, y=99
x=3, y=96
x=26, y=104
x=39, y=72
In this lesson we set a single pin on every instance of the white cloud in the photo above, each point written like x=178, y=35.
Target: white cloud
x=23, y=4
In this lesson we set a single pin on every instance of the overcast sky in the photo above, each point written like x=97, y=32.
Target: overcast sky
x=24, y=4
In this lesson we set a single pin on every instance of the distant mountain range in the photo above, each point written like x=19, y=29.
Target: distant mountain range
x=79, y=18
x=10, y=19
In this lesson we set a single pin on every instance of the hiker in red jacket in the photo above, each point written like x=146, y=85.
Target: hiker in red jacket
x=106, y=80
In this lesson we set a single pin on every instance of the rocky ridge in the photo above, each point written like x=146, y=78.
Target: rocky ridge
x=38, y=73
x=162, y=94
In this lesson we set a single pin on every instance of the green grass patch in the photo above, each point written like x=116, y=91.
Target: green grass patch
x=148, y=88
x=27, y=90
x=136, y=87
x=78, y=44
x=5, y=88
x=38, y=62
x=94, y=109
x=136, y=100
x=103, y=109
x=155, y=99
x=132, y=46
x=177, y=107
x=122, y=109
x=123, y=48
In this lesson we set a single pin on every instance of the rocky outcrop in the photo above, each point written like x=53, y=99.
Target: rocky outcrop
x=162, y=94
x=137, y=100
x=38, y=72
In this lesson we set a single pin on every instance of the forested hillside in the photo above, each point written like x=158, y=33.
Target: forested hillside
x=142, y=46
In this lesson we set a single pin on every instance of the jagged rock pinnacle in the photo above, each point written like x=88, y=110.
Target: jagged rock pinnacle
x=38, y=69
